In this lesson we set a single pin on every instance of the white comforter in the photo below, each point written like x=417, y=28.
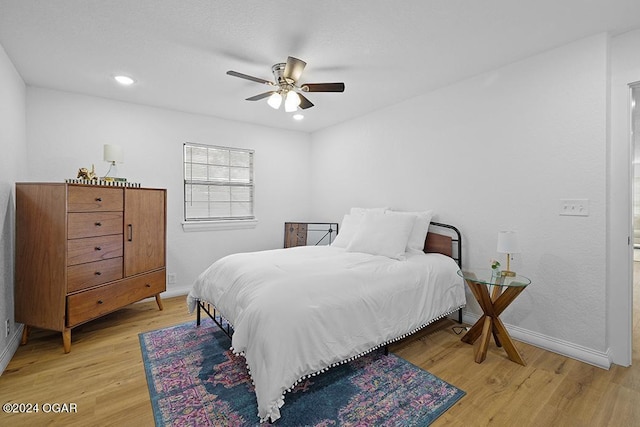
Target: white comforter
x=300, y=310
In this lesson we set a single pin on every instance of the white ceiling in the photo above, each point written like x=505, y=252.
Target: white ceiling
x=384, y=51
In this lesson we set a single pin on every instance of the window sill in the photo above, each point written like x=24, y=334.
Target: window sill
x=219, y=225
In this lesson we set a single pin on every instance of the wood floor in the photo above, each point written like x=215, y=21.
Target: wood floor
x=104, y=377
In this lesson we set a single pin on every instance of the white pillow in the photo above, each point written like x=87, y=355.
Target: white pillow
x=420, y=229
x=348, y=228
x=351, y=222
x=385, y=235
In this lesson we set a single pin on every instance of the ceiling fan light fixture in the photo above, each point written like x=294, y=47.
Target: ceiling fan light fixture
x=275, y=100
x=291, y=102
x=298, y=117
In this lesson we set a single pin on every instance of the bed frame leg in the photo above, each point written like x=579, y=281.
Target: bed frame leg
x=198, y=313
x=386, y=350
x=459, y=315
x=219, y=321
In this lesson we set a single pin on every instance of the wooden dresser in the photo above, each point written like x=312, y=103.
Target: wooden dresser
x=83, y=251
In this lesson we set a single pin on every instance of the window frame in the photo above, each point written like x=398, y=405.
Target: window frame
x=217, y=222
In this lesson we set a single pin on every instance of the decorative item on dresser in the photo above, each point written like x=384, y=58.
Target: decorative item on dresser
x=83, y=251
x=309, y=233
x=86, y=174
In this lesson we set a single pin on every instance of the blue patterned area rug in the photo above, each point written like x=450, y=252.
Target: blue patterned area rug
x=194, y=380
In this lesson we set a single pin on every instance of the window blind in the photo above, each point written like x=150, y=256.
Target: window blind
x=218, y=183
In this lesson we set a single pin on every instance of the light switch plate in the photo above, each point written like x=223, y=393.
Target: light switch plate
x=574, y=207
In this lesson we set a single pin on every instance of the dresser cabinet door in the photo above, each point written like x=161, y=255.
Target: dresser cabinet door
x=144, y=233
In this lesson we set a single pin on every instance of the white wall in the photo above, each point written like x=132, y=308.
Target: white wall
x=495, y=152
x=67, y=131
x=12, y=164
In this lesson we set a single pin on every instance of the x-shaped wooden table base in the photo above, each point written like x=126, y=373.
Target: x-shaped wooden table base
x=490, y=323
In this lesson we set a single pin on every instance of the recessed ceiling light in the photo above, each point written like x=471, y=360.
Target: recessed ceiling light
x=124, y=80
x=298, y=117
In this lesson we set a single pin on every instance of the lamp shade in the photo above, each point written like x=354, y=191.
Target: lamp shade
x=291, y=102
x=508, y=242
x=113, y=153
x=275, y=100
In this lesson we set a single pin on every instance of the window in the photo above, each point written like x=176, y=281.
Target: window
x=218, y=183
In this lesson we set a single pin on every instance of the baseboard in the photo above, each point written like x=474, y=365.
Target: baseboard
x=173, y=292
x=10, y=349
x=555, y=345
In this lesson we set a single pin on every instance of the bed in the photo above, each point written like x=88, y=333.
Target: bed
x=299, y=311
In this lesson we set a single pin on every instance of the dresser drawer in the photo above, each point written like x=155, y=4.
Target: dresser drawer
x=89, y=224
x=80, y=251
x=96, y=302
x=93, y=198
x=84, y=276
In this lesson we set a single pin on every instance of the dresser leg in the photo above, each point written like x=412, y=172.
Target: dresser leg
x=25, y=334
x=66, y=340
x=159, y=302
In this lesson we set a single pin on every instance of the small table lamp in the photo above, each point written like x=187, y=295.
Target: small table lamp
x=508, y=244
x=114, y=154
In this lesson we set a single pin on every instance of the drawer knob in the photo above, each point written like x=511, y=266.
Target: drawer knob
x=99, y=301
x=98, y=273
x=98, y=224
x=147, y=285
x=98, y=248
x=98, y=199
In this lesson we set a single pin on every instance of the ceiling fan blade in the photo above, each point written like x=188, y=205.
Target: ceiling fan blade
x=304, y=102
x=247, y=77
x=261, y=96
x=293, y=69
x=323, y=87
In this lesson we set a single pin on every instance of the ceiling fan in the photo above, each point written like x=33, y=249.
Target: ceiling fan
x=287, y=87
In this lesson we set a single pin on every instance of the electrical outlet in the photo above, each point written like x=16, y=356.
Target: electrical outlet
x=171, y=278
x=7, y=328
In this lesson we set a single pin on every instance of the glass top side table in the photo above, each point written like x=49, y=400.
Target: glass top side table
x=505, y=290
x=486, y=276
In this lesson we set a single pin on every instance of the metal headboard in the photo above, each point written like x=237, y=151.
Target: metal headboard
x=458, y=241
